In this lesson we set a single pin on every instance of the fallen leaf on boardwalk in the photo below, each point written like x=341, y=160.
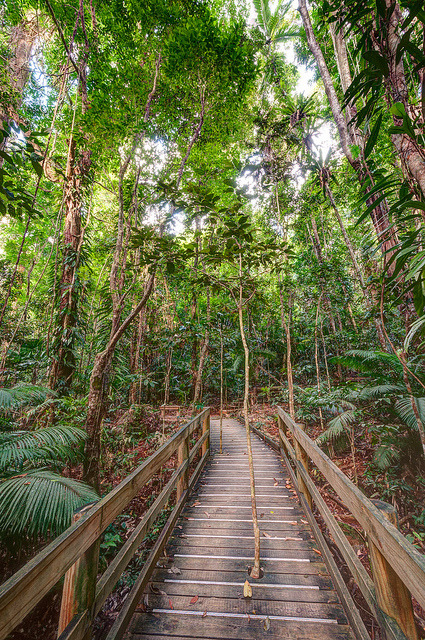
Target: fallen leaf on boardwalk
x=179, y=526
x=175, y=570
x=317, y=551
x=267, y=624
x=247, y=590
x=271, y=511
x=204, y=614
x=293, y=522
x=276, y=482
x=207, y=514
x=194, y=600
x=304, y=521
x=266, y=535
x=291, y=539
x=261, y=515
x=170, y=603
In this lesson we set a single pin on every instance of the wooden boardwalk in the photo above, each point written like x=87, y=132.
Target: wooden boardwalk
x=197, y=592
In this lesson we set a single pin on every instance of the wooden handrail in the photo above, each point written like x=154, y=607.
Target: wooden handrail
x=29, y=585
x=392, y=556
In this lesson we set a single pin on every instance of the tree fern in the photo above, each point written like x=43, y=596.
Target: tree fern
x=40, y=502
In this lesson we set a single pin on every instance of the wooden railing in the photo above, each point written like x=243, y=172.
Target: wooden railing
x=397, y=567
x=75, y=553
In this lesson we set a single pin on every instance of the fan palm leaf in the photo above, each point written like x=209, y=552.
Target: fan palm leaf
x=22, y=393
x=40, y=502
x=337, y=427
x=41, y=446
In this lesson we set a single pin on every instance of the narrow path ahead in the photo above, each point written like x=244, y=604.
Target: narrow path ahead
x=198, y=592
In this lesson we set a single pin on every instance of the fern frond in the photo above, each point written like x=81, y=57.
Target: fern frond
x=43, y=445
x=370, y=362
x=22, y=393
x=40, y=503
x=385, y=457
x=405, y=411
x=379, y=390
x=337, y=427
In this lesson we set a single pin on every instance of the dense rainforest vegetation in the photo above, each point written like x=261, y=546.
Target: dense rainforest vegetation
x=179, y=221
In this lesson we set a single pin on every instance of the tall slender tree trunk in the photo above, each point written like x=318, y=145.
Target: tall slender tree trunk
x=255, y=572
x=98, y=390
x=203, y=355
x=316, y=355
x=286, y=325
x=385, y=233
x=221, y=389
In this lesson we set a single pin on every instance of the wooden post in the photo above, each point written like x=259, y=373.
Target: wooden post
x=182, y=456
x=303, y=458
x=392, y=594
x=206, y=427
x=79, y=587
x=281, y=426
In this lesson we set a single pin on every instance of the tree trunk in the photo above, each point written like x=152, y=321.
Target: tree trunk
x=221, y=390
x=64, y=361
x=287, y=328
x=385, y=234
x=98, y=389
x=255, y=572
x=316, y=355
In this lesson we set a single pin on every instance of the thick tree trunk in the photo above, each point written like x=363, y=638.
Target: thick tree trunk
x=412, y=155
x=63, y=366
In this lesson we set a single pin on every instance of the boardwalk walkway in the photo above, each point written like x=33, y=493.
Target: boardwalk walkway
x=198, y=590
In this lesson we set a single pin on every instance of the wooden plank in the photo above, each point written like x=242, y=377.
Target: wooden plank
x=186, y=540
x=219, y=565
x=233, y=629
x=236, y=552
x=31, y=583
x=248, y=605
x=407, y=562
x=322, y=581
x=276, y=593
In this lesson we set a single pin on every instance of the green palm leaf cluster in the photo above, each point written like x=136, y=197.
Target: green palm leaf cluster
x=384, y=392
x=35, y=499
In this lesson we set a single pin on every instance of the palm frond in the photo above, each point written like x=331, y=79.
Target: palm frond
x=370, y=362
x=405, y=411
x=263, y=14
x=337, y=427
x=379, y=390
x=385, y=457
x=40, y=503
x=22, y=393
x=43, y=445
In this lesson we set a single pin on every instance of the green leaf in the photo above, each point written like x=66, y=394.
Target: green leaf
x=377, y=61
x=37, y=167
x=373, y=136
x=398, y=110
